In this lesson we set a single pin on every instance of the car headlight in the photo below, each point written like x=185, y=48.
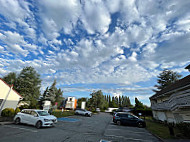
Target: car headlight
x=46, y=120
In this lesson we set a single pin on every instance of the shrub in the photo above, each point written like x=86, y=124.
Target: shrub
x=17, y=110
x=23, y=107
x=59, y=113
x=8, y=112
x=184, y=128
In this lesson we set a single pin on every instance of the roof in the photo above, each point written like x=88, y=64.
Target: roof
x=10, y=87
x=188, y=67
x=178, y=84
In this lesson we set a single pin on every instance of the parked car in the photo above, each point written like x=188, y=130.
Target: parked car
x=38, y=118
x=123, y=118
x=83, y=112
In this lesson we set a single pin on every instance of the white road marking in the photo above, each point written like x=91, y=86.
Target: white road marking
x=129, y=131
x=21, y=128
x=126, y=138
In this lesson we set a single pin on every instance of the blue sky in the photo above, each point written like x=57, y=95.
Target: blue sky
x=118, y=46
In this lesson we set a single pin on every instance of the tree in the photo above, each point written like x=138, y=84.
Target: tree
x=80, y=100
x=97, y=100
x=138, y=104
x=165, y=78
x=11, y=79
x=28, y=84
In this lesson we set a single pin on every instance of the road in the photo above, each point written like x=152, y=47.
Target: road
x=85, y=129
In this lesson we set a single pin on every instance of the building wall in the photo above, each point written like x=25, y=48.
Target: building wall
x=12, y=99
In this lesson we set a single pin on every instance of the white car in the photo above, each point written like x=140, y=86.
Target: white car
x=38, y=118
x=83, y=112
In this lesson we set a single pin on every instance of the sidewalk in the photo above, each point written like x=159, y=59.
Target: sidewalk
x=6, y=123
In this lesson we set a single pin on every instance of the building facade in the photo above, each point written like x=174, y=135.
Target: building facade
x=172, y=104
x=71, y=103
x=9, y=98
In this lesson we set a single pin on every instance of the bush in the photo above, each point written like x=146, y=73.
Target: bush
x=23, y=107
x=184, y=128
x=59, y=113
x=17, y=110
x=8, y=112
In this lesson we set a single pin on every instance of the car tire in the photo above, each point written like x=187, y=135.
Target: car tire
x=118, y=123
x=17, y=121
x=38, y=124
x=140, y=125
x=76, y=113
x=86, y=114
x=90, y=115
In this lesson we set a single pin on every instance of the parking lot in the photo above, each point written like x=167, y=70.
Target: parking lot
x=80, y=129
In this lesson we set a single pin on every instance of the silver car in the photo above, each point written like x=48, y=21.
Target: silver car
x=83, y=112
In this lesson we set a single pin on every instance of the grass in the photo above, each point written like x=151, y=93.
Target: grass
x=161, y=130
x=59, y=113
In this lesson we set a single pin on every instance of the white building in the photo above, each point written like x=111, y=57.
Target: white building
x=71, y=103
x=9, y=98
x=172, y=104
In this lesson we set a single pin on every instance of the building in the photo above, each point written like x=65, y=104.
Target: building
x=172, y=104
x=9, y=98
x=71, y=103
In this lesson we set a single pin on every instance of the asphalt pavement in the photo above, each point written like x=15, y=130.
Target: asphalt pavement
x=97, y=128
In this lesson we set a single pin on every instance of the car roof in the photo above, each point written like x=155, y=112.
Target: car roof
x=33, y=109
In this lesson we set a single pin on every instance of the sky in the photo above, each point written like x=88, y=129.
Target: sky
x=117, y=46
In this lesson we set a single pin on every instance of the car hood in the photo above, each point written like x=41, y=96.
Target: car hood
x=49, y=117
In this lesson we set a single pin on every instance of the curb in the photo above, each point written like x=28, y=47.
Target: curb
x=156, y=136
x=5, y=123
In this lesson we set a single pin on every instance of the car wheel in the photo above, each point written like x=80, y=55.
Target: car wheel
x=140, y=125
x=17, y=121
x=119, y=123
x=90, y=115
x=38, y=124
x=86, y=114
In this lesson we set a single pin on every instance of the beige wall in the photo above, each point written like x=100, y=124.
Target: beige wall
x=13, y=97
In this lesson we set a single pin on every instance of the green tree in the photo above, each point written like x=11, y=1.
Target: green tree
x=165, y=78
x=11, y=79
x=80, y=100
x=28, y=84
x=138, y=104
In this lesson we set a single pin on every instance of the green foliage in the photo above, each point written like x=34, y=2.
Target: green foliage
x=184, y=128
x=59, y=113
x=97, y=100
x=165, y=78
x=28, y=84
x=23, y=107
x=52, y=94
x=8, y=112
x=138, y=104
x=80, y=100
x=17, y=110
x=11, y=79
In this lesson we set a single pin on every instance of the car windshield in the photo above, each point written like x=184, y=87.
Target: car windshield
x=43, y=113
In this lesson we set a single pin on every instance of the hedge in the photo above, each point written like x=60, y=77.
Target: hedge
x=8, y=112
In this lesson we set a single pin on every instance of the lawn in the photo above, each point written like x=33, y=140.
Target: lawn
x=162, y=130
x=59, y=113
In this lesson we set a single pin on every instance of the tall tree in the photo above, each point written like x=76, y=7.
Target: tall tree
x=138, y=104
x=11, y=79
x=165, y=78
x=28, y=84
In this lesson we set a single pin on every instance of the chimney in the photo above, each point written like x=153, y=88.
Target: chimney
x=188, y=67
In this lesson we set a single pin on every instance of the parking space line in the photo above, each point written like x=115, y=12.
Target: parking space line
x=21, y=128
x=129, y=131
x=125, y=138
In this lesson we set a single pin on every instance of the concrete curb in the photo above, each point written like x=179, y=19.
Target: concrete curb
x=6, y=123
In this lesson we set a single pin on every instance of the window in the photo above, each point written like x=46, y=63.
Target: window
x=34, y=113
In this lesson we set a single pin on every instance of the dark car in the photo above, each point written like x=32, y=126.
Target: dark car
x=123, y=118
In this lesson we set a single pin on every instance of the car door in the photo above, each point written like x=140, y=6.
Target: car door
x=132, y=120
x=23, y=116
x=26, y=117
x=32, y=118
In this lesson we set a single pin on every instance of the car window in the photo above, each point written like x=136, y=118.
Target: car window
x=34, y=113
x=43, y=113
